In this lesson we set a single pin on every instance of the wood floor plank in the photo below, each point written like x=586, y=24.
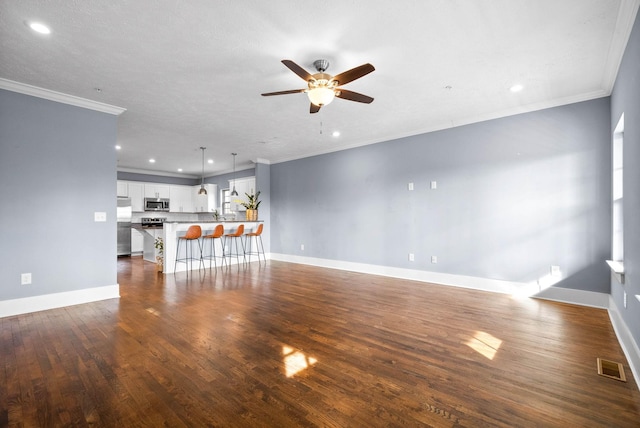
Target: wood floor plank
x=286, y=345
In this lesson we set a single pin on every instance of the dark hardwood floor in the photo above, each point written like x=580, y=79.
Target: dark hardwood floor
x=283, y=345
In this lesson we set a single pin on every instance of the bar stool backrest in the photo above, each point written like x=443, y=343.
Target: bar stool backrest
x=194, y=232
x=258, y=231
x=217, y=232
x=238, y=232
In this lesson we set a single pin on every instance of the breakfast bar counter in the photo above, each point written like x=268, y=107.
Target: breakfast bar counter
x=172, y=230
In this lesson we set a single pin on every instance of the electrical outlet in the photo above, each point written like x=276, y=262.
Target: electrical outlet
x=301, y=247
x=555, y=270
x=434, y=259
x=410, y=186
x=25, y=279
x=411, y=257
x=99, y=216
x=434, y=184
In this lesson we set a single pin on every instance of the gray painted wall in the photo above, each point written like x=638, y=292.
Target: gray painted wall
x=151, y=178
x=57, y=167
x=263, y=184
x=514, y=196
x=222, y=181
x=626, y=99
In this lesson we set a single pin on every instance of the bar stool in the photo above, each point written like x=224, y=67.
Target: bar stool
x=193, y=234
x=257, y=234
x=235, y=236
x=217, y=234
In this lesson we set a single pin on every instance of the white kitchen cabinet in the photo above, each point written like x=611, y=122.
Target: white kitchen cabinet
x=137, y=241
x=136, y=194
x=154, y=190
x=134, y=191
x=243, y=186
x=205, y=203
x=181, y=199
x=122, y=189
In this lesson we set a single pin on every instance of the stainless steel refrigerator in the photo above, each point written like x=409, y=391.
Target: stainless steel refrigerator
x=124, y=226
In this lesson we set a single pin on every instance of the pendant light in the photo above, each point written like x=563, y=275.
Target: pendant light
x=234, y=193
x=202, y=190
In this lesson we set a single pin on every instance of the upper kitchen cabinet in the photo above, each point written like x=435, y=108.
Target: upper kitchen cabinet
x=122, y=189
x=153, y=190
x=181, y=199
x=205, y=203
x=134, y=191
x=243, y=186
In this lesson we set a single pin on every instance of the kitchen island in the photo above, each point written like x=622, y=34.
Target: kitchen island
x=172, y=230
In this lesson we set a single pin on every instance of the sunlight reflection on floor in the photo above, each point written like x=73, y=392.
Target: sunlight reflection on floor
x=485, y=344
x=295, y=361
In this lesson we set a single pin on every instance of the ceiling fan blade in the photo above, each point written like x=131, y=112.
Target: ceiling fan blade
x=297, y=69
x=353, y=96
x=314, y=108
x=353, y=74
x=292, y=91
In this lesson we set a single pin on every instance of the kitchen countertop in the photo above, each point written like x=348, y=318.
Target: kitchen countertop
x=218, y=221
x=139, y=226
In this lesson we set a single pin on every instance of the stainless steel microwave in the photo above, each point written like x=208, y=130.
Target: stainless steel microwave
x=156, y=204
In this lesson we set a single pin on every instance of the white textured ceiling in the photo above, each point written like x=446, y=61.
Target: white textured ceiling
x=190, y=73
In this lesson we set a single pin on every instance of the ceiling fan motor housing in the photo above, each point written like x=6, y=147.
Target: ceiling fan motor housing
x=321, y=65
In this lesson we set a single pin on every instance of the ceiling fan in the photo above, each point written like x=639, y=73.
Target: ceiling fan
x=323, y=87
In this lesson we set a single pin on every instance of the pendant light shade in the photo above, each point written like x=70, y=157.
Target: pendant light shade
x=202, y=190
x=234, y=192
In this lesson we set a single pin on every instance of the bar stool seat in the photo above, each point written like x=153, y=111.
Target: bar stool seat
x=194, y=233
x=235, y=236
x=217, y=233
x=257, y=235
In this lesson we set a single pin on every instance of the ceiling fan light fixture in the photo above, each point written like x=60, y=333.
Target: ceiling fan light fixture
x=321, y=95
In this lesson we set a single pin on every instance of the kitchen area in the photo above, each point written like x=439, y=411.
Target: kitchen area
x=144, y=208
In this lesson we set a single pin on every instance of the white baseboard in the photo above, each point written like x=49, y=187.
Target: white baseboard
x=484, y=284
x=629, y=346
x=57, y=300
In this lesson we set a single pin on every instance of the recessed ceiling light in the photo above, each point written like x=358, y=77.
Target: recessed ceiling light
x=516, y=88
x=152, y=161
x=210, y=161
x=179, y=169
x=39, y=28
x=336, y=133
x=118, y=147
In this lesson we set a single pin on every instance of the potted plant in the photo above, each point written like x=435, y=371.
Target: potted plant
x=159, y=244
x=252, y=205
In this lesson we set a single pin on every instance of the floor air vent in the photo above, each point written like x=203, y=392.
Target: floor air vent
x=611, y=369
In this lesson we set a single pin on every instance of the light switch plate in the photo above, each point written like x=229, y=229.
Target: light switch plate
x=99, y=216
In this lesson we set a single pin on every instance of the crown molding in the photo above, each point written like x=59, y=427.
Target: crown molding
x=59, y=97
